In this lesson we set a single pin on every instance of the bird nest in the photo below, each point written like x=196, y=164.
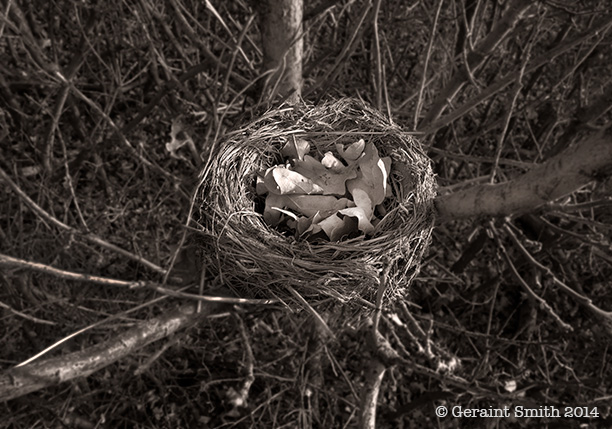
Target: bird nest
x=256, y=260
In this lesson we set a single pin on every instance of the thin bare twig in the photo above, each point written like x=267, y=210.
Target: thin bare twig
x=506, y=80
x=543, y=304
x=331, y=74
x=5, y=14
x=239, y=399
x=514, y=96
x=238, y=48
x=26, y=316
x=205, y=298
x=569, y=208
x=106, y=281
x=87, y=236
x=482, y=159
x=70, y=72
x=432, y=38
x=379, y=65
x=89, y=327
x=131, y=149
x=143, y=367
x=581, y=299
x=69, y=181
x=477, y=57
x=386, y=94
x=316, y=316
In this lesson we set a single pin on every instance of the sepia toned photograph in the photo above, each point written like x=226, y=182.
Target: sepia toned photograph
x=287, y=214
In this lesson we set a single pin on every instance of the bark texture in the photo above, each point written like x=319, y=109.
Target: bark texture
x=37, y=375
x=561, y=175
x=374, y=377
x=281, y=31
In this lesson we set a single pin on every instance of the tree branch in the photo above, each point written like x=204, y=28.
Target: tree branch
x=29, y=378
x=559, y=176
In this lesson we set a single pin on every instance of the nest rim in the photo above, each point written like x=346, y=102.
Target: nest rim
x=256, y=260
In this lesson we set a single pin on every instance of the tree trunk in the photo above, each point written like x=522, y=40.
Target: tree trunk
x=281, y=31
x=559, y=176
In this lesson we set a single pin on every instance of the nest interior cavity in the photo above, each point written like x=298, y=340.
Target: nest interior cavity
x=257, y=261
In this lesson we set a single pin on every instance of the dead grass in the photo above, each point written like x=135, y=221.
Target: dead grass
x=255, y=260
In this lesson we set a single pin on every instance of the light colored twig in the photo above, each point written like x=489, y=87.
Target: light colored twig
x=569, y=208
x=238, y=48
x=26, y=316
x=324, y=327
x=89, y=327
x=240, y=397
x=5, y=14
x=105, y=281
x=379, y=74
x=374, y=375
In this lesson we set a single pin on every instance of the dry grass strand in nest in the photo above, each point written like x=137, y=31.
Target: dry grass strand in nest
x=256, y=260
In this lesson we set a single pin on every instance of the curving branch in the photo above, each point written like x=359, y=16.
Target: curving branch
x=21, y=380
x=561, y=175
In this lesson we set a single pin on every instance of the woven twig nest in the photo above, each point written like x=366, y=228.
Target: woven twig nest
x=258, y=261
